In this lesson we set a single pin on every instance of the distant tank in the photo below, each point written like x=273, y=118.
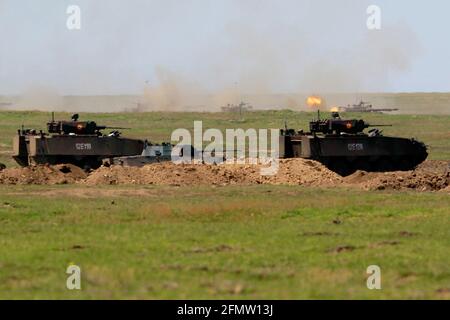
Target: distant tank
x=78, y=142
x=343, y=146
x=237, y=108
x=364, y=107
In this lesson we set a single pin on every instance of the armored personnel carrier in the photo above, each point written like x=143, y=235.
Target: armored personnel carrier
x=78, y=142
x=344, y=147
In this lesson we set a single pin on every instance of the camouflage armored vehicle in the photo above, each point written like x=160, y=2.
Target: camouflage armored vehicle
x=78, y=142
x=343, y=146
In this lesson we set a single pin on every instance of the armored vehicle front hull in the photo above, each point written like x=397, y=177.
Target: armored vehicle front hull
x=84, y=151
x=347, y=153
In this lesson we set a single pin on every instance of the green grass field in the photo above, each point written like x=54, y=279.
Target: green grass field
x=268, y=242
x=227, y=242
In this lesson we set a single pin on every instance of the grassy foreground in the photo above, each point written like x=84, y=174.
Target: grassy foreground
x=433, y=130
x=222, y=242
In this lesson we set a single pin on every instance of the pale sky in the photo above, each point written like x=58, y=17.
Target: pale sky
x=207, y=45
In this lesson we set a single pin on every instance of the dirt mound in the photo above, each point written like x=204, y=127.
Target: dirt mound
x=292, y=171
x=430, y=176
x=58, y=174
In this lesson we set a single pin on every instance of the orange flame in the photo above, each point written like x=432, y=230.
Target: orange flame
x=334, y=109
x=314, y=101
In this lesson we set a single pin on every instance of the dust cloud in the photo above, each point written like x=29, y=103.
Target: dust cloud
x=259, y=69
x=40, y=98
